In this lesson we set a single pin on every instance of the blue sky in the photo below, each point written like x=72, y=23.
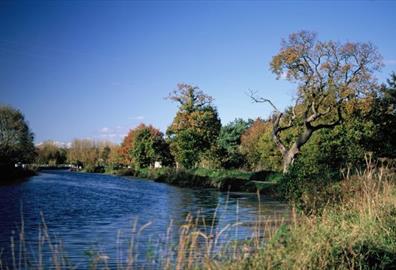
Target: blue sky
x=85, y=69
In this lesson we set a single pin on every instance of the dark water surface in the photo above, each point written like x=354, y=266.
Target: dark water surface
x=88, y=211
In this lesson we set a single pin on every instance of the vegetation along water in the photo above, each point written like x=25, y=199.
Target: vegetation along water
x=328, y=159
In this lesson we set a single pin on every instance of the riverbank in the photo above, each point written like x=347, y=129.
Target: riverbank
x=11, y=175
x=354, y=230
x=224, y=180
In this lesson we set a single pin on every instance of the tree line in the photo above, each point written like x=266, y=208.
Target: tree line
x=340, y=113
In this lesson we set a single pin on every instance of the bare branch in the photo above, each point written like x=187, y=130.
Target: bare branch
x=255, y=98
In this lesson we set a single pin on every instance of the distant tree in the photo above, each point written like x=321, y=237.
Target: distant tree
x=250, y=143
x=195, y=127
x=329, y=74
x=103, y=149
x=126, y=147
x=51, y=154
x=114, y=159
x=149, y=147
x=143, y=146
x=16, y=139
x=105, y=154
x=85, y=153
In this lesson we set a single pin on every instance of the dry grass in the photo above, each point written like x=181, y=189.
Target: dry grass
x=356, y=230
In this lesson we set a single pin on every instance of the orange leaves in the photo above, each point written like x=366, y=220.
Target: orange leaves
x=129, y=141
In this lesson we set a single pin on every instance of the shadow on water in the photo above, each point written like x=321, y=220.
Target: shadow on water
x=97, y=212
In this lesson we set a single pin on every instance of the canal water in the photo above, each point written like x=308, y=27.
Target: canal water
x=91, y=214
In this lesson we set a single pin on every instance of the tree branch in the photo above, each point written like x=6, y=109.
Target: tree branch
x=276, y=128
x=255, y=98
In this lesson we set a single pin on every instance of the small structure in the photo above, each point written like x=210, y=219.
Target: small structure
x=158, y=164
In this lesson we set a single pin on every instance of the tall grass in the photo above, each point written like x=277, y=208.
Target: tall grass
x=356, y=229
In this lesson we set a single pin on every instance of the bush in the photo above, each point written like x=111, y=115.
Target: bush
x=261, y=175
x=306, y=185
x=355, y=230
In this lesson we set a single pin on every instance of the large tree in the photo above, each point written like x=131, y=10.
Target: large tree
x=328, y=75
x=195, y=127
x=16, y=139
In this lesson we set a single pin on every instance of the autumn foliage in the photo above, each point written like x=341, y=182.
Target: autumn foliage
x=143, y=146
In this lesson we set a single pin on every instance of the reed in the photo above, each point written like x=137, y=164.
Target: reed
x=197, y=243
x=354, y=230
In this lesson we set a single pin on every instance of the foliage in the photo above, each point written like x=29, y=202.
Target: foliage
x=83, y=153
x=384, y=117
x=195, y=127
x=16, y=139
x=355, y=229
x=143, y=146
x=126, y=146
x=50, y=154
x=90, y=155
x=249, y=143
x=367, y=128
x=329, y=75
x=229, y=142
x=224, y=180
x=149, y=147
x=329, y=151
x=268, y=154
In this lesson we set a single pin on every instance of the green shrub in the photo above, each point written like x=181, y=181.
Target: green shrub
x=303, y=183
x=355, y=230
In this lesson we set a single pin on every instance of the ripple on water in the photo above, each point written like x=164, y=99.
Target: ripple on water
x=86, y=211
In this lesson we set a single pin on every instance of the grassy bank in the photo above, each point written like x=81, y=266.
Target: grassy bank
x=356, y=229
x=224, y=180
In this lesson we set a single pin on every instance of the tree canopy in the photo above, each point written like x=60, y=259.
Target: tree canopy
x=16, y=139
x=195, y=127
x=143, y=146
x=50, y=153
x=329, y=75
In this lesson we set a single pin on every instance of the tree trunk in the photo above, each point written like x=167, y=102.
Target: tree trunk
x=289, y=157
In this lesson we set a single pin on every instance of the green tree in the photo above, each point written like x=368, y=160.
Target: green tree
x=329, y=75
x=195, y=127
x=105, y=155
x=229, y=142
x=16, y=139
x=150, y=146
x=51, y=154
x=384, y=116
